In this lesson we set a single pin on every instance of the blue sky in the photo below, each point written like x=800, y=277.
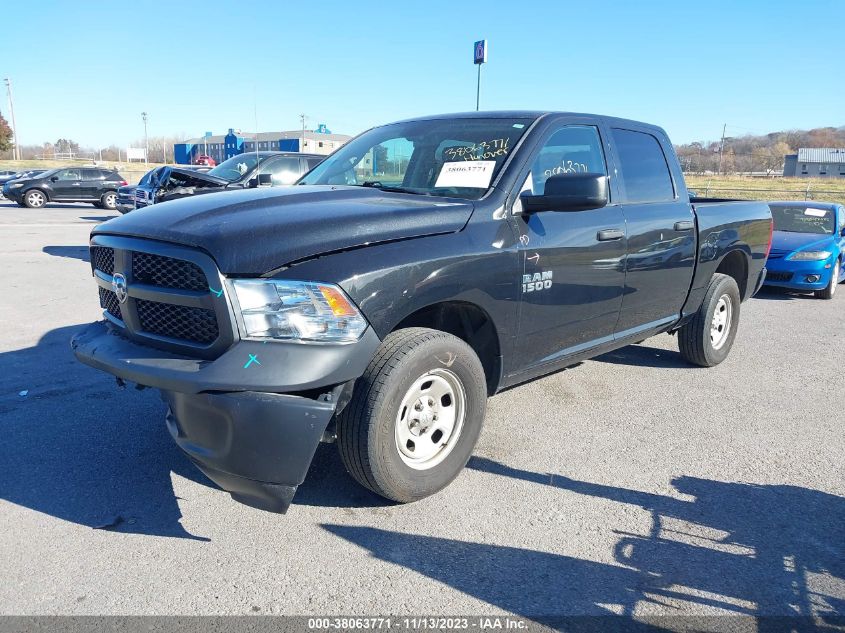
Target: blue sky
x=86, y=69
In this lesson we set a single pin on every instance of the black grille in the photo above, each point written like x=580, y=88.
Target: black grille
x=180, y=322
x=109, y=302
x=167, y=272
x=102, y=259
x=772, y=276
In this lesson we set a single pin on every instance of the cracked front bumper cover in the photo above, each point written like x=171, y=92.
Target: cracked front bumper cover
x=251, y=430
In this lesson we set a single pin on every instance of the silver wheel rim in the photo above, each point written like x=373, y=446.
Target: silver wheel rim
x=720, y=325
x=430, y=419
x=35, y=198
x=110, y=200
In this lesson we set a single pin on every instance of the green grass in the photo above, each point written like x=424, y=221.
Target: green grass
x=747, y=188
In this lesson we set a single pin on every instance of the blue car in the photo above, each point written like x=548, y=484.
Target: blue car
x=808, y=246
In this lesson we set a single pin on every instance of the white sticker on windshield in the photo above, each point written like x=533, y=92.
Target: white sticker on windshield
x=816, y=213
x=466, y=173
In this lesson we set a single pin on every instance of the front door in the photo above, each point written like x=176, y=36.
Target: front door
x=573, y=276
x=68, y=184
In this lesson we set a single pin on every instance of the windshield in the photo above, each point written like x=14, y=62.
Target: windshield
x=803, y=220
x=236, y=167
x=442, y=157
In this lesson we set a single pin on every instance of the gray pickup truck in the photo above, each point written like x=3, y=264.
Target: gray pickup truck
x=422, y=267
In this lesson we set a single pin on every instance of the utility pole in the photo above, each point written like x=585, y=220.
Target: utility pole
x=302, y=118
x=722, y=146
x=16, y=153
x=146, y=141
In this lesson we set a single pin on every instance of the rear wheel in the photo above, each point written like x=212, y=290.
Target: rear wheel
x=109, y=200
x=415, y=415
x=707, y=339
x=830, y=289
x=34, y=199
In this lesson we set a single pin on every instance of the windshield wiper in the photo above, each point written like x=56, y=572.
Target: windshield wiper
x=375, y=184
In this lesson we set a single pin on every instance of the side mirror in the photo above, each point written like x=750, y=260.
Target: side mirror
x=54, y=179
x=265, y=180
x=569, y=192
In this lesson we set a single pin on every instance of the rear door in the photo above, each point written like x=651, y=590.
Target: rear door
x=661, y=231
x=572, y=278
x=68, y=184
x=92, y=182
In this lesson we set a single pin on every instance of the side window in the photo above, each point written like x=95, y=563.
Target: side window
x=92, y=174
x=313, y=162
x=841, y=218
x=283, y=171
x=69, y=174
x=645, y=171
x=575, y=149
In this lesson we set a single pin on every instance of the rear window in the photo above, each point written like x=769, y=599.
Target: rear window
x=645, y=171
x=803, y=219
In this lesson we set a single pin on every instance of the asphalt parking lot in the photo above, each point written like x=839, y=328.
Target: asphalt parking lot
x=631, y=484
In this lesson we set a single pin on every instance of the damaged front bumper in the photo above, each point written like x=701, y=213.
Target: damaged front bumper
x=253, y=433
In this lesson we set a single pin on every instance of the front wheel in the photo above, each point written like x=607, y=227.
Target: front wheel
x=830, y=289
x=415, y=415
x=34, y=199
x=707, y=339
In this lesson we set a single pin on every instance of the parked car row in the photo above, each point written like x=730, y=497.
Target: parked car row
x=107, y=189
x=254, y=169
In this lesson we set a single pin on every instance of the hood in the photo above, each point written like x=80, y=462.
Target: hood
x=195, y=175
x=253, y=231
x=786, y=241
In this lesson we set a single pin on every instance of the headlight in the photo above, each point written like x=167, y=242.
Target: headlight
x=301, y=310
x=809, y=256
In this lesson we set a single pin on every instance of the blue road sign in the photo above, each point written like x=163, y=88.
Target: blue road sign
x=480, y=52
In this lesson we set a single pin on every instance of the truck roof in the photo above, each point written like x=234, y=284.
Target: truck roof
x=530, y=114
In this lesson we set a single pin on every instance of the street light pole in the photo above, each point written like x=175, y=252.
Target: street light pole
x=16, y=153
x=146, y=141
x=302, y=146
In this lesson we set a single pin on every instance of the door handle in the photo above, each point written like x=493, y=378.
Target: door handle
x=684, y=225
x=607, y=235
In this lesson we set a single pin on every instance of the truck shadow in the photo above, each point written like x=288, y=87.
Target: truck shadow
x=73, y=252
x=329, y=485
x=770, y=553
x=761, y=550
x=77, y=448
x=645, y=356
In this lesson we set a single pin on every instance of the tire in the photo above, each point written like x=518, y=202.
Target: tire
x=830, y=289
x=34, y=199
x=109, y=200
x=392, y=407
x=707, y=339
